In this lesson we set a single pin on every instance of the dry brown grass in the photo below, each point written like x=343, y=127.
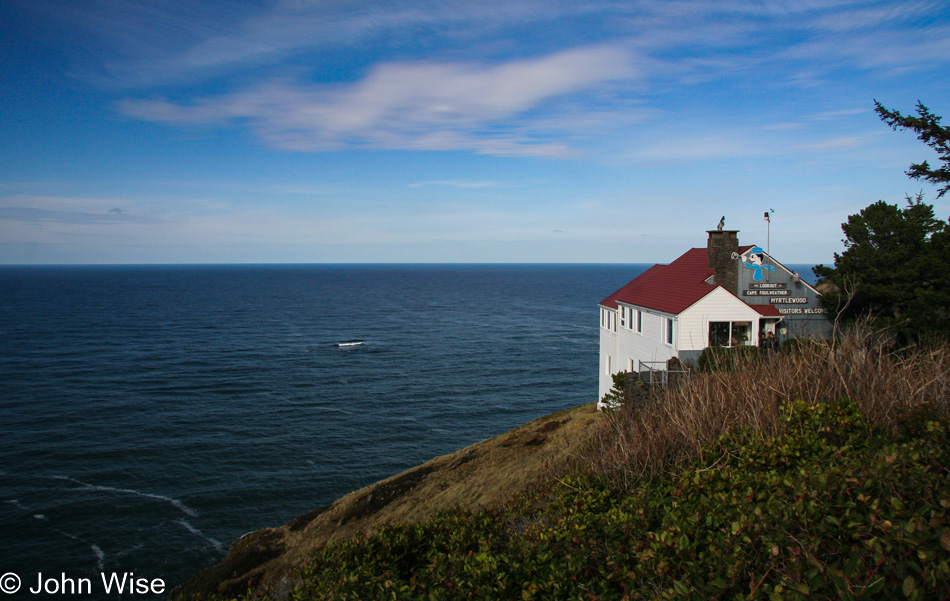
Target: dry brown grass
x=671, y=429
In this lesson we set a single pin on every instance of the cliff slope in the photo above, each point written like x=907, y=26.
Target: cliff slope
x=483, y=474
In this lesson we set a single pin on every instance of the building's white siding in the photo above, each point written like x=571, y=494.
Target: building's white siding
x=608, y=351
x=623, y=348
x=626, y=348
x=718, y=305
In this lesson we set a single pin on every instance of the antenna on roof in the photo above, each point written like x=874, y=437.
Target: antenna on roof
x=768, y=239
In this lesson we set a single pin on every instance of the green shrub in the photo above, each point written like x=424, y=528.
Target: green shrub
x=615, y=397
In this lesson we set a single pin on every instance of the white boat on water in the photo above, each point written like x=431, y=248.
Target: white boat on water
x=351, y=343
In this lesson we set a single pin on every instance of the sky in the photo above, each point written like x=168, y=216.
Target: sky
x=514, y=131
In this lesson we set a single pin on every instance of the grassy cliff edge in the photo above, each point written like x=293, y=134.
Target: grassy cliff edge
x=489, y=472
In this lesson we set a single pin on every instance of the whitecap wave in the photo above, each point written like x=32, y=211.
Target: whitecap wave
x=336, y=410
x=128, y=491
x=214, y=542
x=97, y=551
x=100, y=556
x=16, y=503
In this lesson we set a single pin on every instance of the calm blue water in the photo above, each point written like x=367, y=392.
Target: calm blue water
x=151, y=415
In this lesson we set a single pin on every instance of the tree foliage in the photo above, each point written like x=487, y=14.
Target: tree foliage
x=930, y=132
x=895, y=269
x=896, y=265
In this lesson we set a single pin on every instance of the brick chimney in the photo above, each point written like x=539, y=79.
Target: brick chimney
x=719, y=257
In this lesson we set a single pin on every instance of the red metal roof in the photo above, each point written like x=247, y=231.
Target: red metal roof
x=767, y=310
x=668, y=288
x=675, y=287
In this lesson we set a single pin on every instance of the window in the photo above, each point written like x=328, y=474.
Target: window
x=639, y=322
x=669, y=331
x=631, y=366
x=741, y=333
x=719, y=333
x=606, y=365
x=730, y=333
x=623, y=317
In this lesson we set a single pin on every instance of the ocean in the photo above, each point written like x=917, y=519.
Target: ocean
x=153, y=414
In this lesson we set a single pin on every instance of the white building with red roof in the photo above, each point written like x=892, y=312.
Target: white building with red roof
x=721, y=295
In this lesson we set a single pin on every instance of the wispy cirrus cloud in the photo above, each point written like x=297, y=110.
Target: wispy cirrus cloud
x=809, y=120
x=770, y=140
x=147, y=44
x=836, y=143
x=464, y=184
x=703, y=147
x=854, y=17
x=492, y=107
x=416, y=105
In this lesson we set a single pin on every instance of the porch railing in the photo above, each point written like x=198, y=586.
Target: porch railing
x=657, y=373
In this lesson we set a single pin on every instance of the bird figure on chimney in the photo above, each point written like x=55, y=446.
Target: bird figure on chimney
x=722, y=223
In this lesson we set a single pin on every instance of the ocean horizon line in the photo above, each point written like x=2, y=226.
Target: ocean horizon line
x=357, y=264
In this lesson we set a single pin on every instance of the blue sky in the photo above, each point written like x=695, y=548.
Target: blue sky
x=453, y=131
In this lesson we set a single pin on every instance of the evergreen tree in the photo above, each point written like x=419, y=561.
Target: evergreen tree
x=930, y=132
x=895, y=269
x=896, y=264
